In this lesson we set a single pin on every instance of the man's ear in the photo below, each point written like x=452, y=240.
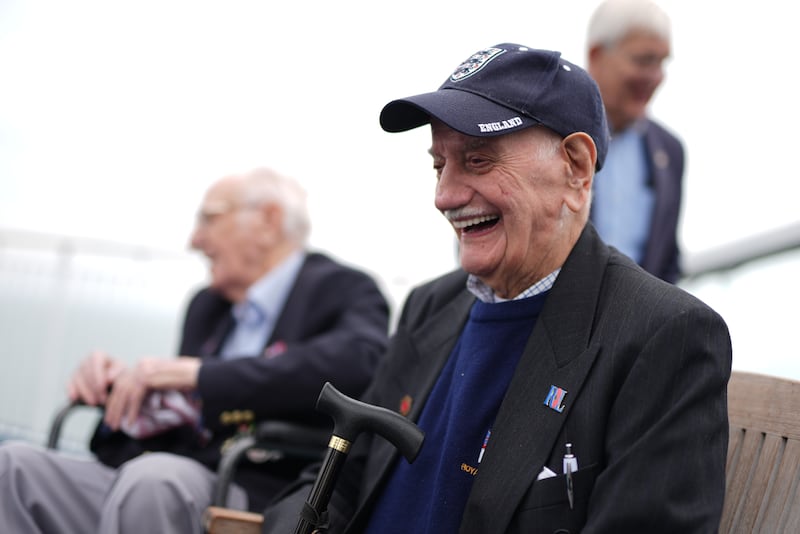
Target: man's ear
x=595, y=52
x=581, y=155
x=272, y=217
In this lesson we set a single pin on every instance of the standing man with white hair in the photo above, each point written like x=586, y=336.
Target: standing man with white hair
x=276, y=322
x=637, y=195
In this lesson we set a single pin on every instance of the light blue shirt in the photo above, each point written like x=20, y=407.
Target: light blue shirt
x=257, y=314
x=622, y=203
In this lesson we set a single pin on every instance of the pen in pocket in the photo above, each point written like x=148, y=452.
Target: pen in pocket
x=570, y=465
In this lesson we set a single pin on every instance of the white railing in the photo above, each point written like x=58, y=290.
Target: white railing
x=740, y=252
x=753, y=284
x=65, y=296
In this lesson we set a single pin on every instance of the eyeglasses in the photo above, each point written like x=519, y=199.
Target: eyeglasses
x=208, y=214
x=644, y=61
x=647, y=61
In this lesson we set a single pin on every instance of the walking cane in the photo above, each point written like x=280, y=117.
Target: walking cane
x=350, y=418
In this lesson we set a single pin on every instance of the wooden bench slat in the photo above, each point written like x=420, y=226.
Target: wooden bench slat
x=763, y=460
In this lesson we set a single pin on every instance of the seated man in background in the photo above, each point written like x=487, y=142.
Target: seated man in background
x=548, y=345
x=276, y=323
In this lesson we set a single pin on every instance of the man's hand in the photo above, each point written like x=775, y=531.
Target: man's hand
x=91, y=381
x=132, y=385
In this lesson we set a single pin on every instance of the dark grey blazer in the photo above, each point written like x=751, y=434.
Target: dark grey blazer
x=645, y=366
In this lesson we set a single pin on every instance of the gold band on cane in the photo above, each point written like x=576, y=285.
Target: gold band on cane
x=339, y=444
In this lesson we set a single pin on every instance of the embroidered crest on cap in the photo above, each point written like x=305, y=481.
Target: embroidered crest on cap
x=476, y=62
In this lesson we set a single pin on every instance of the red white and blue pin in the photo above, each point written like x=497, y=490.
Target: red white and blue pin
x=555, y=398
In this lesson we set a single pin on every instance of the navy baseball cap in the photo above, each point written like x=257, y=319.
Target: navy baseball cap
x=504, y=89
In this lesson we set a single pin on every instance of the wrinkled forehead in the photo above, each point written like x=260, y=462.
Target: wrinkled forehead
x=644, y=41
x=223, y=192
x=534, y=135
x=440, y=133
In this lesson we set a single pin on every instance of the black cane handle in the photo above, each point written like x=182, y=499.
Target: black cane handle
x=351, y=417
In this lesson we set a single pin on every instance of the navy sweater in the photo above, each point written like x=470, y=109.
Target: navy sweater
x=429, y=495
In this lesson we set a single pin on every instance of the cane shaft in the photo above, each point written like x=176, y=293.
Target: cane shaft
x=321, y=492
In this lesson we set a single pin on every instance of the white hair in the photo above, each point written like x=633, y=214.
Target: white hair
x=263, y=185
x=614, y=19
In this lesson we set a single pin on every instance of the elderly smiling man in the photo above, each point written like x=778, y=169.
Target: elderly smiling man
x=561, y=387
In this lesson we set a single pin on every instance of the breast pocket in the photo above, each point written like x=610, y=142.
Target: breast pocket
x=546, y=509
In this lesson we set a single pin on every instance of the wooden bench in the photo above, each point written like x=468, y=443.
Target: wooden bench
x=220, y=520
x=763, y=465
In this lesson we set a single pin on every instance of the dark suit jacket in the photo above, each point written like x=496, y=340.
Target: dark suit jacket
x=333, y=328
x=645, y=366
x=665, y=160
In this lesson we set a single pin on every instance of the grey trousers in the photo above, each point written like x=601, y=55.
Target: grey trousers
x=44, y=491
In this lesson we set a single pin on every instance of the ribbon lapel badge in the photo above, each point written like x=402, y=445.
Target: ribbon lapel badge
x=555, y=399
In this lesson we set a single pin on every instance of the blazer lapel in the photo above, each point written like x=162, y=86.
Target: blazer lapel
x=213, y=345
x=662, y=178
x=559, y=355
x=430, y=346
x=425, y=352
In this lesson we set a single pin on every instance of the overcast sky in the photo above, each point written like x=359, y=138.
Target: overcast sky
x=115, y=116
